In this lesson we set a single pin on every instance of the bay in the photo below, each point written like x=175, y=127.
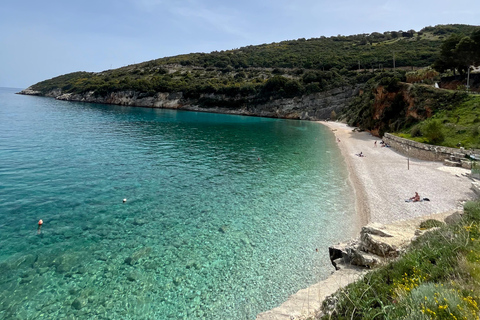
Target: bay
x=223, y=215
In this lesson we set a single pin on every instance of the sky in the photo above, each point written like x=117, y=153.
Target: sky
x=43, y=39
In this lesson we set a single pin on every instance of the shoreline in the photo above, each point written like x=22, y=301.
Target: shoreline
x=384, y=179
x=381, y=181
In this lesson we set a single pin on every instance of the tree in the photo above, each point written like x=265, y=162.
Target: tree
x=448, y=59
x=459, y=53
x=466, y=52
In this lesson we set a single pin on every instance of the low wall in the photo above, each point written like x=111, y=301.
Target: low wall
x=423, y=151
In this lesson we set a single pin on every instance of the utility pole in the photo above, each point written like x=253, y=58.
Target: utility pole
x=393, y=61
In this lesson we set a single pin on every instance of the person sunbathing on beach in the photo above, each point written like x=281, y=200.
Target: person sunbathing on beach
x=416, y=197
x=360, y=154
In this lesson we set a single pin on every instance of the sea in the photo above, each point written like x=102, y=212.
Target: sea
x=162, y=214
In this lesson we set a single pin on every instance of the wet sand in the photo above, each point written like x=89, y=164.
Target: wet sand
x=382, y=180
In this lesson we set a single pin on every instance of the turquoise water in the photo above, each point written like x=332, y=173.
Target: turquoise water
x=222, y=220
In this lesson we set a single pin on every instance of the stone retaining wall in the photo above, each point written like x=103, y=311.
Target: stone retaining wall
x=423, y=151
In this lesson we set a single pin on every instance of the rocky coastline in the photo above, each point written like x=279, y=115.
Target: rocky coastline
x=318, y=106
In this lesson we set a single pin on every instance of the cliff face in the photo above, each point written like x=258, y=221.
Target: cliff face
x=317, y=106
x=390, y=108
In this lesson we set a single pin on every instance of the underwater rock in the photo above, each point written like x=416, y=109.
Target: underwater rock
x=24, y=261
x=132, y=276
x=192, y=264
x=79, y=303
x=26, y=279
x=28, y=273
x=65, y=263
x=139, y=222
x=45, y=260
x=137, y=255
x=42, y=270
x=223, y=229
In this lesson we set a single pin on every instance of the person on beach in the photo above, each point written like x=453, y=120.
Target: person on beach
x=375, y=143
x=416, y=197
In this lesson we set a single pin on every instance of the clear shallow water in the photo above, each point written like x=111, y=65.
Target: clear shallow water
x=222, y=219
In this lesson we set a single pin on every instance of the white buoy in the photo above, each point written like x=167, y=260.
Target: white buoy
x=124, y=200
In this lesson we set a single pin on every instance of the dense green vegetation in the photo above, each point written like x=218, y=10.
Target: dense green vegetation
x=436, y=116
x=459, y=52
x=457, y=126
x=284, y=69
x=256, y=74
x=437, y=278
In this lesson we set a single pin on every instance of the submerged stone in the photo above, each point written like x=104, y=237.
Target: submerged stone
x=79, y=303
x=139, y=222
x=137, y=255
x=132, y=276
x=223, y=229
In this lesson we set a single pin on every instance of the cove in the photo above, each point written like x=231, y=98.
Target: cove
x=223, y=215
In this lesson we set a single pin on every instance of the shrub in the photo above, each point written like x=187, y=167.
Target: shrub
x=431, y=223
x=432, y=130
x=416, y=131
x=333, y=115
x=433, y=301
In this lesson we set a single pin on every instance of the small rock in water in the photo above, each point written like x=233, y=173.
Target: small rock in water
x=192, y=264
x=132, y=276
x=139, y=222
x=137, y=255
x=26, y=279
x=223, y=229
x=79, y=303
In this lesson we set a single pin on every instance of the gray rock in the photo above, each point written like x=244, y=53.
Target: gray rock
x=453, y=218
x=376, y=229
x=361, y=258
x=373, y=244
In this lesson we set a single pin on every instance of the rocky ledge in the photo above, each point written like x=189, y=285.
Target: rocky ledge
x=377, y=243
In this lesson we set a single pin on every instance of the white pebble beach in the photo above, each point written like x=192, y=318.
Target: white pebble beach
x=382, y=180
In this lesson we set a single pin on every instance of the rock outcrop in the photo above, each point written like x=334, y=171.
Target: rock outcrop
x=318, y=106
x=378, y=243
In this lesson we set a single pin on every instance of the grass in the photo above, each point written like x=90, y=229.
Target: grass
x=437, y=278
x=459, y=126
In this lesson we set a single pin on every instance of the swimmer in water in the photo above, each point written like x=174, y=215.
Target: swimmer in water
x=40, y=223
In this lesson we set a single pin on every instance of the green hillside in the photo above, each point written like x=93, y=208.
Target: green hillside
x=284, y=69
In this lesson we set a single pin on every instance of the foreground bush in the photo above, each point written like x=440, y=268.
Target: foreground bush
x=437, y=278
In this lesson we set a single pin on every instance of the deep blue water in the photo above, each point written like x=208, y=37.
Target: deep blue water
x=222, y=220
